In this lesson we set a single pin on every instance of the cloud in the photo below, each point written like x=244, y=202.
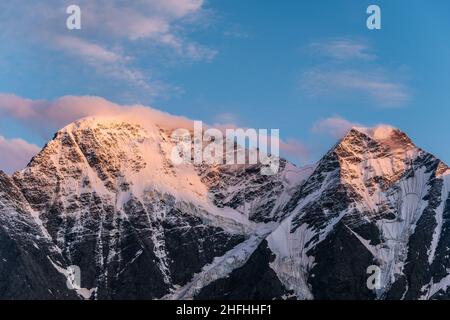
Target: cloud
x=86, y=49
x=158, y=21
x=119, y=40
x=295, y=150
x=236, y=31
x=45, y=117
x=109, y=19
x=374, y=85
x=350, y=69
x=342, y=49
x=15, y=154
x=142, y=19
x=335, y=127
x=106, y=62
x=226, y=120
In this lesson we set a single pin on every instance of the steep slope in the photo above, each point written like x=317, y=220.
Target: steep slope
x=375, y=199
x=29, y=263
x=135, y=224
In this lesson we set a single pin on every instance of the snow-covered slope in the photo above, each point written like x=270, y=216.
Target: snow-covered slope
x=375, y=199
x=104, y=195
x=138, y=226
x=27, y=255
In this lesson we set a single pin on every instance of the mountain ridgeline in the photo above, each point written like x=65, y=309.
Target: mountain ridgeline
x=103, y=196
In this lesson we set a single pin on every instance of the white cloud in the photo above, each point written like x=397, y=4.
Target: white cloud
x=111, y=30
x=337, y=127
x=350, y=69
x=374, y=85
x=180, y=8
x=106, y=62
x=15, y=154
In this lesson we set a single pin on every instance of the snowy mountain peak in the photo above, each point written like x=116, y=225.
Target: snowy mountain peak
x=375, y=199
x=386, y=137
x=381, y=153
x=103, y=195
x=117, y=158
x=442, y=169
x=107, y=194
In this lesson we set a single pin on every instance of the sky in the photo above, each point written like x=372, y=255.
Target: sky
x=309, y=68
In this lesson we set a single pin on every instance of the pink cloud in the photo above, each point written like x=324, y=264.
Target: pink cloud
x=294, y=149
x=336, y=126
x=87, y=49
x=53, y=113
x=15, y=154
x=15, y=106
x=47, y=116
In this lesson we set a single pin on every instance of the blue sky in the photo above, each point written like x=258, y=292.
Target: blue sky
x=309, y=68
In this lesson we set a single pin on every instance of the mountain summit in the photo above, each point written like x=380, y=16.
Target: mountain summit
x=374, y=202
x=113, y=204
x=104, y=196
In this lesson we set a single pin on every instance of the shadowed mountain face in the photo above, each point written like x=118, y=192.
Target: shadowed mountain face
x=29, y=261
x=104, y=196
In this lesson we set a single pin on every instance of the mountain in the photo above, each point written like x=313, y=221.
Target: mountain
x=29, y=261
x=375, y=199
x=137, y=226
x=104, y=196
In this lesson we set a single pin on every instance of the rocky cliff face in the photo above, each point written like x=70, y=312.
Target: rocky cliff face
x=104, y=196
x=29, y=261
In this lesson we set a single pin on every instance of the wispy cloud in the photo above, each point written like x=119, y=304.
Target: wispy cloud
x=236, y=31
x=349, y=69
x=335, y=126
x=116, y=36
x=106, y=62
x=89, y=50
x=15, y=154
x=295, y=149
x=227, y=119
x=342, y=49
x=343, y=82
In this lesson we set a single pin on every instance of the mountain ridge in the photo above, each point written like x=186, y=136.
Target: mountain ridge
x=139, y=227
x=366, y=204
